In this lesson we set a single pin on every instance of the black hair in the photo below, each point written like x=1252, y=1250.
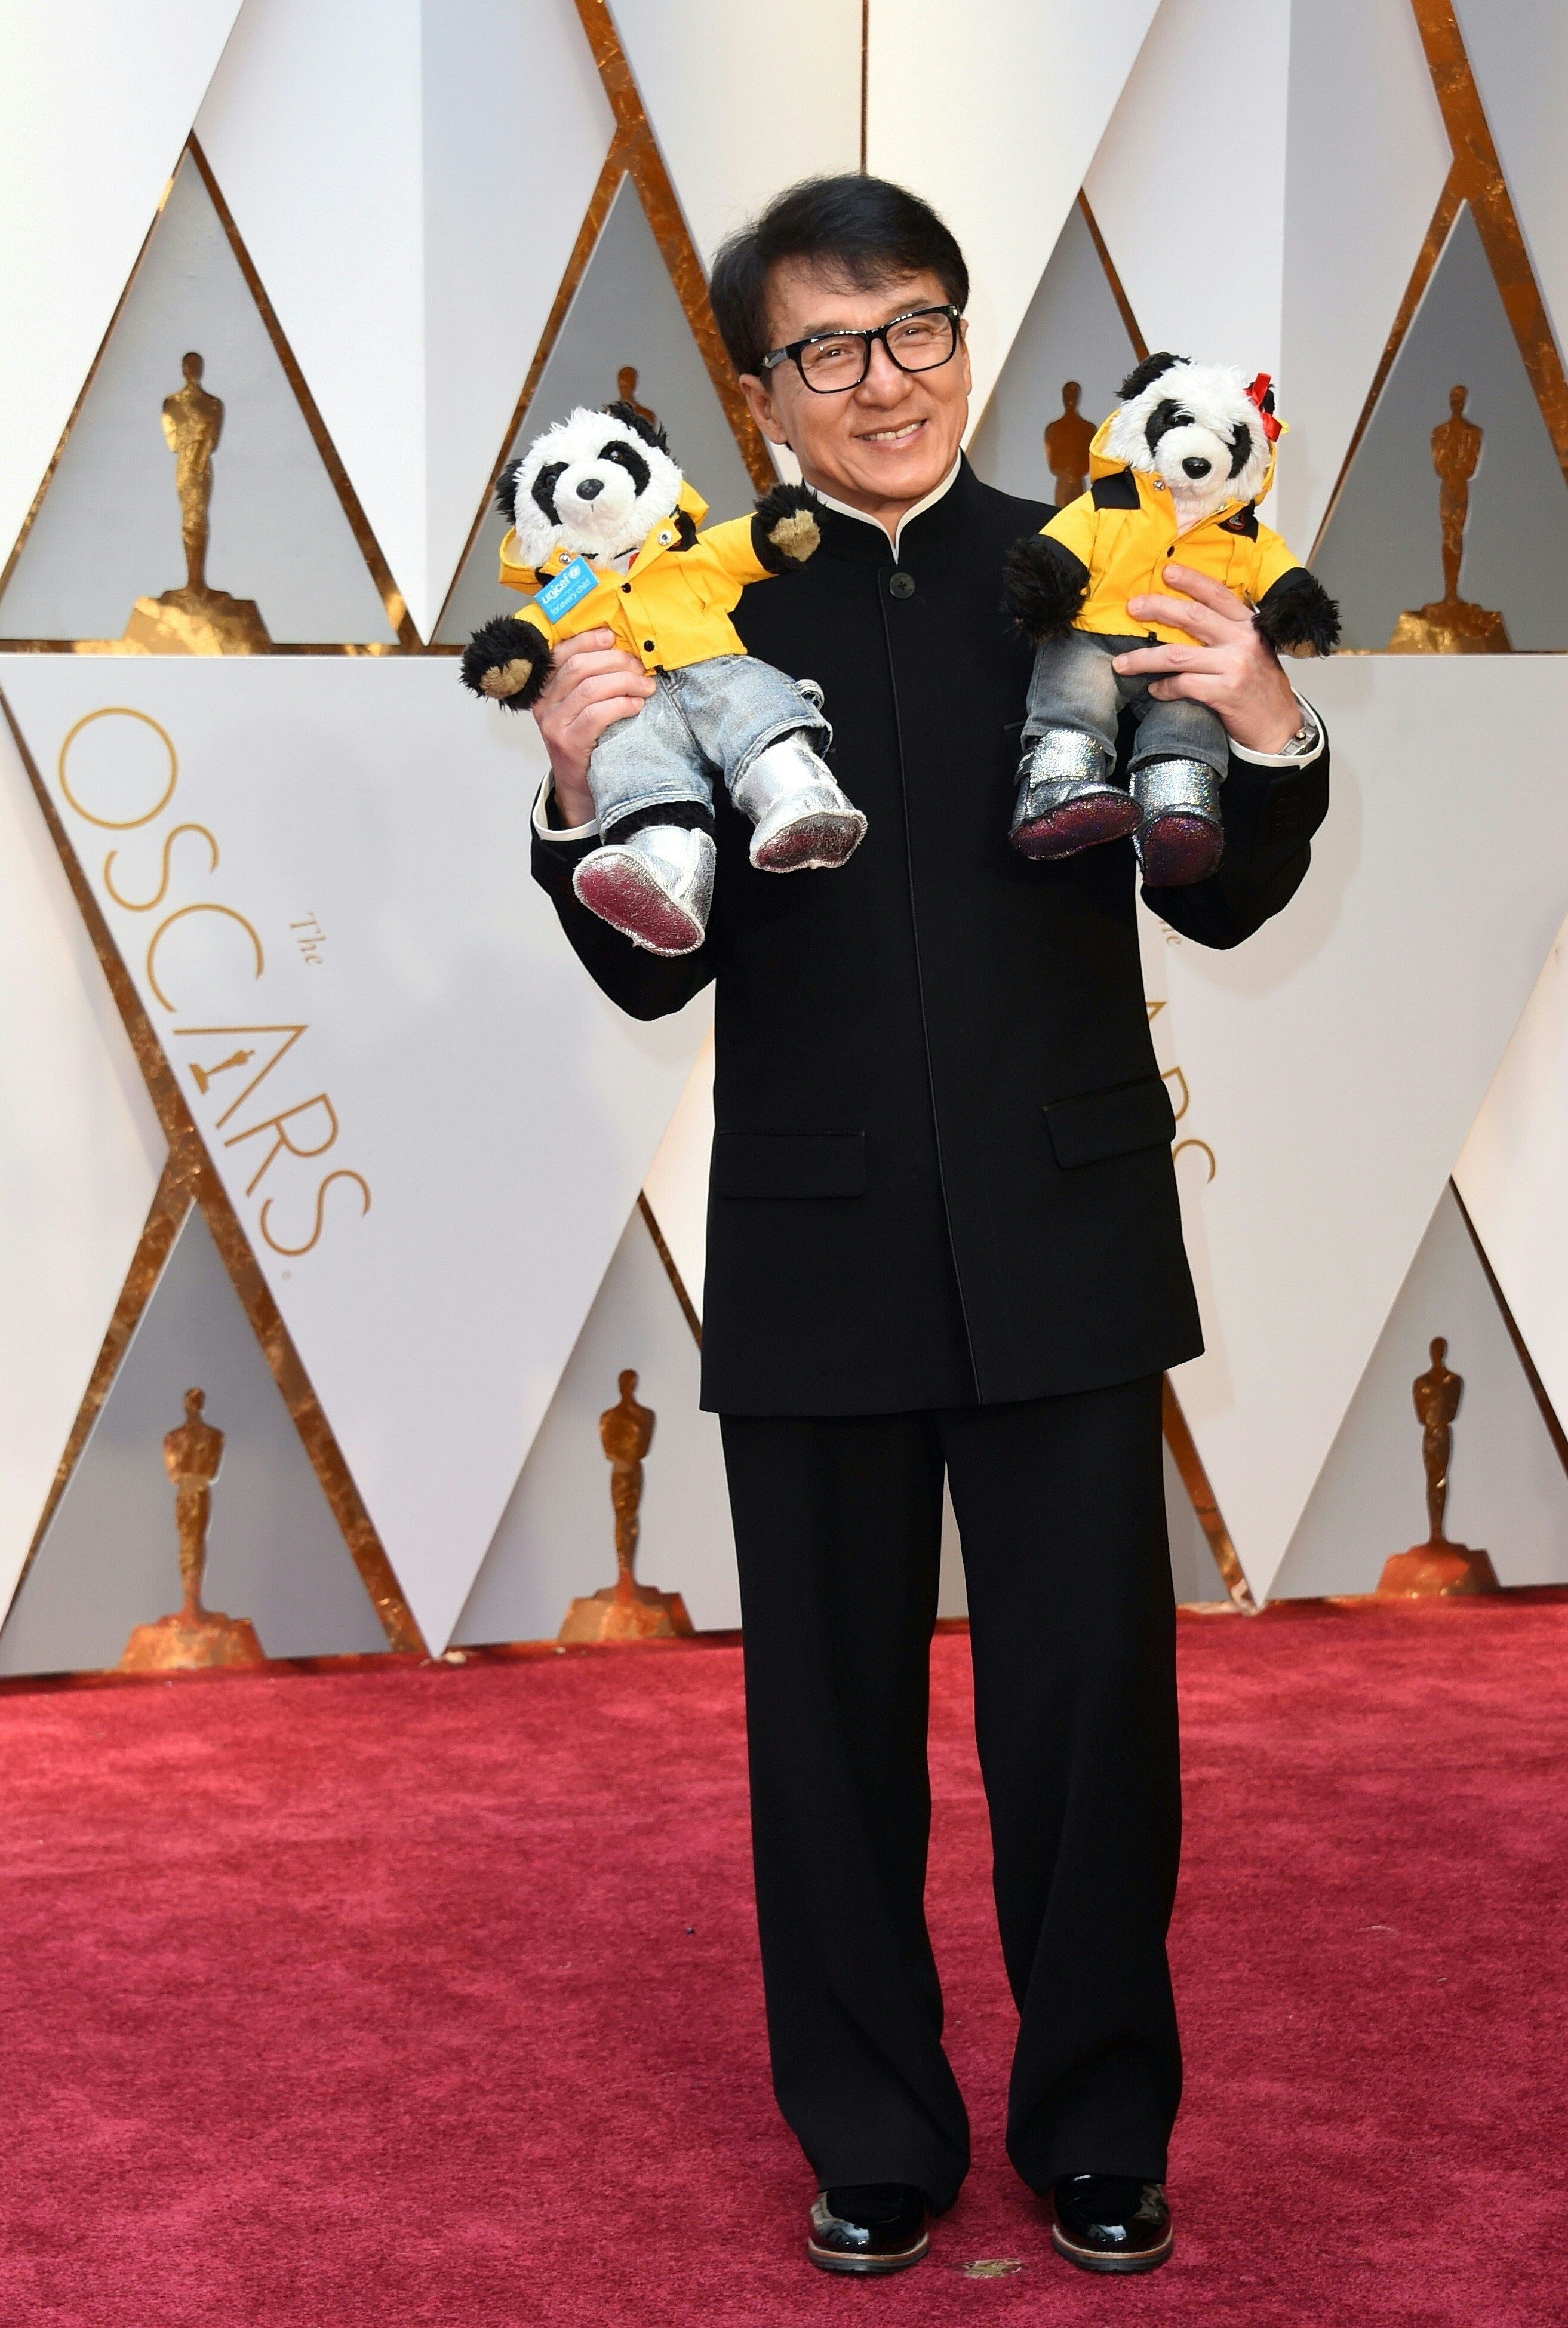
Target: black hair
x=864, y=229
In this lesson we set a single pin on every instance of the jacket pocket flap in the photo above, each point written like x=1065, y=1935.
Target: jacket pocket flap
x=1103, y=1123
x=785, y=1164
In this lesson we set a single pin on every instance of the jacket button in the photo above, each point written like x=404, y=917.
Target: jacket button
x=901, y=585
x=627, y=588
x=647, y=647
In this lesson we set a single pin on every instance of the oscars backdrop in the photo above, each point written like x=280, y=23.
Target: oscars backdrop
x=306, y=1105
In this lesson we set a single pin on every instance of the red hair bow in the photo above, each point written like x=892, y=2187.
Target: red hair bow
x=1262, y=395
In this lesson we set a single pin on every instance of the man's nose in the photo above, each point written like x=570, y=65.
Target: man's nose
x=589, y=488
x=883, y=376
x=1196, y=466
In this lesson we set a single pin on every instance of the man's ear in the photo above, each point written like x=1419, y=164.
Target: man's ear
x=759, y=400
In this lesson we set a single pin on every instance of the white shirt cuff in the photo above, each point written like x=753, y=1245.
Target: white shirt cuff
x=1260, y=759
x=545, y=831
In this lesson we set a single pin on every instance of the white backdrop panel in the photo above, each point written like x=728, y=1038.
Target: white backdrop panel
x=95, y=105
x=743, y=101
x=1336, y=1061
x=454, y=1062
x=1365, y=162
x=1513, y=1171
x=110, y=1558
x=1508, y=1492
x=1188, y=183
x=109, y=529
x=676, y=1186
x=993, y=115
x=1519, y=57
x=557, y=1537
x=412, y=240
x=79, y=1163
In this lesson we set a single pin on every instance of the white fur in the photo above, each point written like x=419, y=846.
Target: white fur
x=1215, y=396
x=617, y=518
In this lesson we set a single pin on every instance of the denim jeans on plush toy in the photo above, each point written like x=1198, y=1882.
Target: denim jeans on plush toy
x=1074, y=685
x=708, y=719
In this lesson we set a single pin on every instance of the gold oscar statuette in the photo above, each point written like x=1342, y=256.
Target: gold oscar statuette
x=194, y=1635
x=627, y=1611
x=627, y=393
x=1437, y=1568
x=1451, y=625
x=195, y=619
x=1067, y=441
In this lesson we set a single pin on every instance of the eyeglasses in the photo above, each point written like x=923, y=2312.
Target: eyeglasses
x=831, y=362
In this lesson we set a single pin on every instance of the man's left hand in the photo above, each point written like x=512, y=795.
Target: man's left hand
x=1231, y=668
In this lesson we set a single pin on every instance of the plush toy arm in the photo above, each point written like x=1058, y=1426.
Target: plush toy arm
x=508, y=661
x=1044, y=587
x=786, y=528
x=1297, y=612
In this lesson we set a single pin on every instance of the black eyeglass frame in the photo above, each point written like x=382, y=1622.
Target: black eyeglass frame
x=953, y=314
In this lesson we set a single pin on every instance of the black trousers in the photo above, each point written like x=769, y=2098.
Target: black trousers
x=838, y=1522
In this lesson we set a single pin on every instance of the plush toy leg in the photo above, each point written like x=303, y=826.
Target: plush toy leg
x=1066, y=800
x=800, y=817
x=1183, y=837
x=655, y=886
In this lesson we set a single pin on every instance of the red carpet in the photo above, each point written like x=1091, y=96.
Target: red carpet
x=413, y=1996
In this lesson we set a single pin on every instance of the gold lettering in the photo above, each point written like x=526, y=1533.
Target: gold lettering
x=294, y=1250
x=178, y=914
x=293, y=1033
x=1186, y=1094
x=120, y=823
x=276, y=1123
x=145, y=905
x=1207, y=1150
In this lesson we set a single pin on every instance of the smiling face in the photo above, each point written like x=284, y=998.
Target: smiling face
x=881, y=446
x=590, y=485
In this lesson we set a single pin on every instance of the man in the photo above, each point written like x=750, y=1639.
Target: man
x=943, y=1237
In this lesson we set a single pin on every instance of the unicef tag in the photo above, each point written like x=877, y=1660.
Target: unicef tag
x=572, y=585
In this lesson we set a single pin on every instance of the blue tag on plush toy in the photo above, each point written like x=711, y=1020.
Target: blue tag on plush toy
x=572, y=585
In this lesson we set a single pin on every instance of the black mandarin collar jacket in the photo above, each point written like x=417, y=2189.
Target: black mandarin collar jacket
x=941, y=1169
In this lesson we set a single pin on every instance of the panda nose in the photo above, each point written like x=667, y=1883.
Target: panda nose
x=1195, y=466
x=591, y=488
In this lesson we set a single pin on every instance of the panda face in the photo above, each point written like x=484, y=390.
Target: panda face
x=1196, y=428
x=593, y=484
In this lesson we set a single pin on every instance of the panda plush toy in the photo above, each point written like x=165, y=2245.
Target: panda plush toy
x=1176, y=473
x=604, y=533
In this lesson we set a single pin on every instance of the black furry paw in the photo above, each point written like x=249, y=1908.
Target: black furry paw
x=787, y=527
x=507, y=662
x=1043, y=587
x=1297, y=614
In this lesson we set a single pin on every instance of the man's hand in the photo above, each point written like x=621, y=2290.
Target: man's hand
x=1231, y=668
x=595, y=682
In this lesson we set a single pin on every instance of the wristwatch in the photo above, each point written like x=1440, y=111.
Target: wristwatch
x=1304, y=740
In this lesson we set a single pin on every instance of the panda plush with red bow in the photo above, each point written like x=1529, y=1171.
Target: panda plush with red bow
x=1175, y=474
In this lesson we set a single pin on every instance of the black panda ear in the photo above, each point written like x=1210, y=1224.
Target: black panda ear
x=1145, y=374
x=648, y=430
x=506, y=490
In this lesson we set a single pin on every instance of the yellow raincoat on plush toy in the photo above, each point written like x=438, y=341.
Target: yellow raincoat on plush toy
x=673, y=604
x=1124, y=532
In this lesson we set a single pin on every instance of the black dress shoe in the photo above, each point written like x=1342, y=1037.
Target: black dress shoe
x=868, y=2227
x=1110, y=2223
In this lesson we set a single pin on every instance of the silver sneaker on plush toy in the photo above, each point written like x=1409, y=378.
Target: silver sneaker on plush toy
x=801, y=818
x=655, y=886
x=1066, y=799
x=1182, y=839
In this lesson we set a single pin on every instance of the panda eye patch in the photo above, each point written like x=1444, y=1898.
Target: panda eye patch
x=633, y=463
x=1241, y=451
x=543, y=489
x=1165, y=417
